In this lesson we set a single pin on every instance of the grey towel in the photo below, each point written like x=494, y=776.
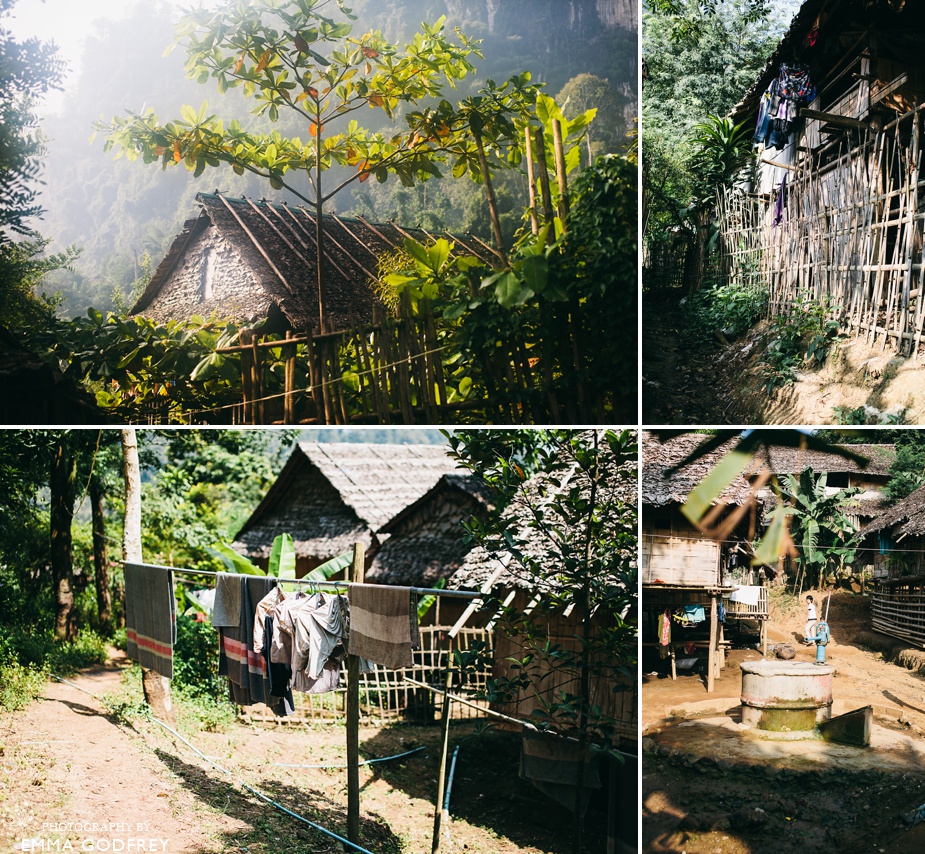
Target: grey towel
x=150, y=617
x=383, y=624
x=227, y=608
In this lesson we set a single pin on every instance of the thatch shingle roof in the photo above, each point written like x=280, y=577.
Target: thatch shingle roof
x=903, y=518
x=330, y=496
x=659, y=489
x=427, y=539
x=276, y=244
x=480, y=563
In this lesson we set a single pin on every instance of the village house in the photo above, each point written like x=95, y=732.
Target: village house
x=686, y=569
x=897, y=539
x=330, y=496
x=834, y=213
x=254, y=262
x=425, y=543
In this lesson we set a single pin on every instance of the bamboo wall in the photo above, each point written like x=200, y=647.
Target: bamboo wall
x=898, y=610
x=851, y=235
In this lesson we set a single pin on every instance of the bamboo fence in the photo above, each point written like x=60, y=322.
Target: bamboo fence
x=898, y=610
x=385, y=696
x=850, y=237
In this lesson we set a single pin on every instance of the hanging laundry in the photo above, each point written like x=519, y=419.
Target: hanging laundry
x=278, y=675
x=779, y=105
x=284, y=650
x=781, y=202
x=246, y=670
x=383, y=624
x=664, y=634
x=550, y=762
x=226, y=610
x=150, y=617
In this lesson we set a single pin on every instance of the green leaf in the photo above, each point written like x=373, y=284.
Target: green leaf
x=715, y=484
x=233, y=561
x=282, y=557
x=189, y=114
x=510, y=291
x=535, y=271
x=331, y=567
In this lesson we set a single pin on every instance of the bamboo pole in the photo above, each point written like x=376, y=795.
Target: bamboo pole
x=357, y=573
x=531, y=180
x=548, y=212
x=561, y=177
x=444, y=750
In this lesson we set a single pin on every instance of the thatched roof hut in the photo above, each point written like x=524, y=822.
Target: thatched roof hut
x=330, y=496
x=480, y=564
x=252, y=261
x=426, y=540
x=660, y=489
x=905, y=518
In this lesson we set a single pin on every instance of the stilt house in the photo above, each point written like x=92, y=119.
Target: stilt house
x=330, y=496
x=897, y=537
x=689, y=574
x=835, y=212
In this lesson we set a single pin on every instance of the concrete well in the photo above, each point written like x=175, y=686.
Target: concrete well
x=786, y=699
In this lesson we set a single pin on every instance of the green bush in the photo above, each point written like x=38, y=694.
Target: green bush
x=734, y=308
x=195, y=660
x=19, y=685
x=38, y=650
x=87, y=649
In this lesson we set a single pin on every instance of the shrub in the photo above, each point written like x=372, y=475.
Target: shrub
x=19, y=685
x=734, y=308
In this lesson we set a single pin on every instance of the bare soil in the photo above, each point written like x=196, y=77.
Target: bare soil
x=71, y=773
x=689, y=379
x=709, y=787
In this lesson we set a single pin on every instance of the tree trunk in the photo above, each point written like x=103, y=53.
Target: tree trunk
x=100, y=566
x=156, y=687
x=61, y=482
x=492, y=201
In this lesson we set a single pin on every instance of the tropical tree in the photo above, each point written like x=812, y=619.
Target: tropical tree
x=290, y=56
x=821, y=527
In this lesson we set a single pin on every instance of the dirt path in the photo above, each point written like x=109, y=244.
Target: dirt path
x=707, y=788
x=69, y=772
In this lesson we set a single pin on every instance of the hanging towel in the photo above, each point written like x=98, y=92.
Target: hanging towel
x=227, y=608
x=150, y=617
x=550, y=762
x=246, y=670
x=383, y=624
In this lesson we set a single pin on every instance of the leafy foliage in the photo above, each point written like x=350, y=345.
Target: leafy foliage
x=733, y=308
x=907, y=471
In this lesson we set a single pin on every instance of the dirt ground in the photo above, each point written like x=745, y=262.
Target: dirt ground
x=708, y=787
x=691, y=380
x=71, y=773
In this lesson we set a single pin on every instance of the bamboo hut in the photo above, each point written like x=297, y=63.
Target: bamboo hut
x=426, y=541
x=255, y=263
x=834, y=214
x=330, y=496
x=897, y=537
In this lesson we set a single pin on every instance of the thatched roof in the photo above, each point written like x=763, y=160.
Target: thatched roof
x=903, y=518
x=839, y=23
x=330, y=496
x=427, y=540
x=660, y=490
x=275, y=246
x=480, y=564
x=34, y=393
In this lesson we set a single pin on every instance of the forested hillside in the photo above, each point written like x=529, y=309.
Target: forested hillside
x=123, y=215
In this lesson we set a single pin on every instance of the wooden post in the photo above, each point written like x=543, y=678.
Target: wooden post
x=353, y=716
x=289, y=398
x=711, y=657
x=444, y=750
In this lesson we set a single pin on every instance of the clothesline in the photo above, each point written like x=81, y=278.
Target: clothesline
x=330, y=585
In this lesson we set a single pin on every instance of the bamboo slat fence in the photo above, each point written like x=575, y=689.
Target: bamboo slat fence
x=850, y=237
x=385, y=696
x=898, y=610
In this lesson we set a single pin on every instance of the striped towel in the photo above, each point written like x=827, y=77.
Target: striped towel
x=245, y=668
x=227, y=608
x=150, y=617
x=383, y=624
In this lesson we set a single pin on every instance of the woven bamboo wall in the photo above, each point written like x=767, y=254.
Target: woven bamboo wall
x=851, y=235
x=385, y=696
x=899, y=611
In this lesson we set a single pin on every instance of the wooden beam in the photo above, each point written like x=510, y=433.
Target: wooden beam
x=833, y=119
x=879, y=94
